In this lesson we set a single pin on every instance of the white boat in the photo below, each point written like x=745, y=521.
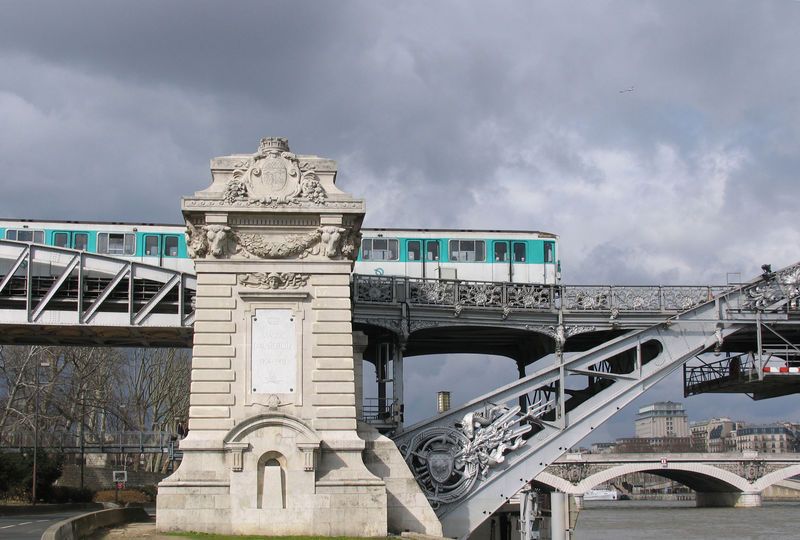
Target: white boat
x=601, y=495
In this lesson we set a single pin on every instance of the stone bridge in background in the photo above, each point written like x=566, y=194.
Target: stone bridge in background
x=719, y=479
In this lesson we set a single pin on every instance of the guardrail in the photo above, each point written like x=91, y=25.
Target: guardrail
x=104, y=442
x=526, y=296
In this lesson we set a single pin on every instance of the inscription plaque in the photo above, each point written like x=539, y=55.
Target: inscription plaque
x=274, y=352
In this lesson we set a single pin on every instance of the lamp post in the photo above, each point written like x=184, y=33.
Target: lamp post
x=36, y=430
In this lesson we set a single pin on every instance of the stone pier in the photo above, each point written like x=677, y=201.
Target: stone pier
x=273, y=446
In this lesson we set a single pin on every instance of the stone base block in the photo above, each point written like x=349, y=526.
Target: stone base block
x=273, y=475
x=408, y=509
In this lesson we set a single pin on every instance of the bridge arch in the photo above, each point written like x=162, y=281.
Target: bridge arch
x=776, y=476
x=697, y=476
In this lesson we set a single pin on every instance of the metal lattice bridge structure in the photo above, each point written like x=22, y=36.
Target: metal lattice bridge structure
x=583, y=352
x=54, y=295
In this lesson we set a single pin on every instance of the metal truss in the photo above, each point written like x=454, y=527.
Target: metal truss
x=58, y=287
x=471, y=460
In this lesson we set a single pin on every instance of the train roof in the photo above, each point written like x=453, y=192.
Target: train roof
x=542, y=234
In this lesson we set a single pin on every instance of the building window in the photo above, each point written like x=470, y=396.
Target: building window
x=519, y=252
x=500, y=252
x=467, y=250
x=549, y=256
x=379, y=249
x=80, y=241
x=61, y=239
x=432, y=250
x=25, y=235
x=414, y=250
x=116, y=243
x=151, y=246
x=171, y=246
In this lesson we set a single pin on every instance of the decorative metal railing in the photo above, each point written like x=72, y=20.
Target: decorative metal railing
x=458, y=294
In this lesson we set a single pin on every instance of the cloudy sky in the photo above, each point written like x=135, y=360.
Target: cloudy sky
x=441, y=114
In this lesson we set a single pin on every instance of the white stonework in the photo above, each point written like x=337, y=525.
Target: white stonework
x=274, y=236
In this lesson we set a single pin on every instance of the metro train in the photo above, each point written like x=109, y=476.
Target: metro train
x=489, y=255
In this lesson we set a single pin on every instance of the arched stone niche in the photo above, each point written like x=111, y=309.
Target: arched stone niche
x=272, y=459
x=271, y=481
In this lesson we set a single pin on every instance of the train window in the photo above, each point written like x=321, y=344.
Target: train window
x=548, y=252
x=500, y=252
x=467, y=250
x=80, y=241
x=25, y=235
x=379, y=249
x=151, y=245
x=519, y=252
x=432, y=250
x=116, y=243
x=61, y=239
x=171, y=246
x=414, y=250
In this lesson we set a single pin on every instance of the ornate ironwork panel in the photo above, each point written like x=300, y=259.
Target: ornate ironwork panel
x=374, y=289
x=432, y=291
x=526, y=296
x=637, y=298
x=583, y=298
x=480, y=294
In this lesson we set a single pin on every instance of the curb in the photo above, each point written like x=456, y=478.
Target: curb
x=82, y=526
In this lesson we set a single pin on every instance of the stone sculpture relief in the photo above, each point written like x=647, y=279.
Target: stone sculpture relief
x=220, y=241
x=258, y=247
x=273, y=177
x=274, y=280
x=204, y=240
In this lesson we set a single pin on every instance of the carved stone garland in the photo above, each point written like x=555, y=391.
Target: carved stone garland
x=274, y=280
x=219, y=241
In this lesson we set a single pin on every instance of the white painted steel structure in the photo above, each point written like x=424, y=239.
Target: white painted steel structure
x=61, y=291
x=474, y=458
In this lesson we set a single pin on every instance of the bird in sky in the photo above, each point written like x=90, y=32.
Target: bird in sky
x=626, y=90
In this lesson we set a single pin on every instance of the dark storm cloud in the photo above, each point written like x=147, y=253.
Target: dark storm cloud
x=445, y=114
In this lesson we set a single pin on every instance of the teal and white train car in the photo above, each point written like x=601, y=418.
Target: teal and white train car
x=511, y=256
x=150, y=243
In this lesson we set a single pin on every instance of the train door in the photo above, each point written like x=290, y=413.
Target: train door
x=550, y=264
x=501, y=261
x=71, y=240
x=519, y=262
x=415, y=266
x=431, y=264
x=151, y=254
x=62, y=239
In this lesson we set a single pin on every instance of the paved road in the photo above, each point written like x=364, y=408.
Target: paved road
x=30, y=526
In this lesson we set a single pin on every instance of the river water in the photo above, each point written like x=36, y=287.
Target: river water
x=662, y=520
